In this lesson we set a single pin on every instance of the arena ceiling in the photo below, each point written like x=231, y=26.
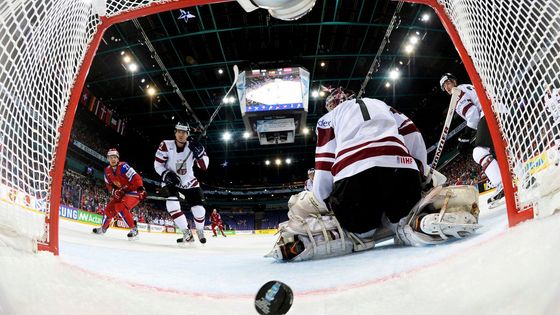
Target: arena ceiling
x=195, y=43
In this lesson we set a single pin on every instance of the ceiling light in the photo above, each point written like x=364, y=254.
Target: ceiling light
x=151, y=91
x=409, y=49
x=220, y=71
x=267, y=162
x=387, y=84
x=322, y=93
x=323, y=64
x=133, y=67
x=288, y=161
x=226, y=136
x=232, y=99
x=143, y=80
x=126, y=59
x=315, y=94
x=305, y=130
x=246, y=135
x=122, y=52
x=425, y=17
x=394, y=74
x=414, y=39
x=278, y=162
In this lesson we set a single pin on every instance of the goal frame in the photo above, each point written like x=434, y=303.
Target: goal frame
x=515, y=214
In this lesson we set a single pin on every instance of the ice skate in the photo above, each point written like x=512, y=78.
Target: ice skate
x=133, y=234
x=497, y=198
x=187, y=237
x=200, y=234
x=98, y=230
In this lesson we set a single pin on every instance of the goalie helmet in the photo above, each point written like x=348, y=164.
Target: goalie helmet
x=183, y=126
x=114, y=152
x=310, y=171
x=444, y=78
x=338, y=96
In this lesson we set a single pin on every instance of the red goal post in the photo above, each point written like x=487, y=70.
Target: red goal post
x=511, y=49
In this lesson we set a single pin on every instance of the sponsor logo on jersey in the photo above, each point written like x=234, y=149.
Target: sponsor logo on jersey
x=183, y=170
x=323, y=123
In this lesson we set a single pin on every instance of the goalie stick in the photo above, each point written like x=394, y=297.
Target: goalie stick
x=452, y=105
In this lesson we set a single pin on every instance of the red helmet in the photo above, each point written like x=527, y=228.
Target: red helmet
x=338, y=96
x=113, y=151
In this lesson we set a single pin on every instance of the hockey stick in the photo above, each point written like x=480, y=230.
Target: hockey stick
x=235, y=78
x=452, y=105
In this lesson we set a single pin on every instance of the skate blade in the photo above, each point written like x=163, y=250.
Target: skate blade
x=496, y=203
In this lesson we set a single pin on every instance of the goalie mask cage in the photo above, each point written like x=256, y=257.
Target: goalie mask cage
x=510, y=50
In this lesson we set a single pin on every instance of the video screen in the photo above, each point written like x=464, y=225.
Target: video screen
x=272, y=90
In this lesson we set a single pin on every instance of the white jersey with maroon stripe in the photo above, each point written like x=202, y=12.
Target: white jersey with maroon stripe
x=468, y=106
x=169, y=157
x=308, y=185
x=347, y=144
x=412, y=137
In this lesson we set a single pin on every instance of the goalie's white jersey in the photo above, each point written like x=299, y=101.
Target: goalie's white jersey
x=169, y=157
x=412, y=137
x=347, y=144
x=468, y=106
x=552, y=103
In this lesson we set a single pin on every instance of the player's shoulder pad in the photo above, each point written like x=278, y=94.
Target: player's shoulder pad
x=124, y=167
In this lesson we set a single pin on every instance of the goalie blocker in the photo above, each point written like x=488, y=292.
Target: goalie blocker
x=313, y=232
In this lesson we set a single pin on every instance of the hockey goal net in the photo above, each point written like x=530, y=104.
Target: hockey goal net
x=46, y=49
x=511, y=50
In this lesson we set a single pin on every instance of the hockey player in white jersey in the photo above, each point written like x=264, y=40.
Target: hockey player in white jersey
x=366, y=183
x=469, y=108
x=552, y=103
x=174, y=162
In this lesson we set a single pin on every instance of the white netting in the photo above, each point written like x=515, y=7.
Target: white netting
x=515, y=48
x=42, y=46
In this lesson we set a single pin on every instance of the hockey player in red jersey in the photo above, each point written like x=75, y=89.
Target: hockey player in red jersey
x=126, y=189
x=174, y=162
x=367, y=175
x=216, y=220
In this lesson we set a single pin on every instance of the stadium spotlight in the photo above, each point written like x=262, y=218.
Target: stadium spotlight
x=231, y=99
x=288, y=161
x=323, y=64
x=246, y=135
x=425, y=17
x=126, y=59
x=387, y=84
x=414, y=39
x=122, y=52
x=409, y=49
x=143, y=80
x=322, y=93
x=278, y=162
x=133, y=67
x=305, y=130
x=151, y=91
x=267, y=162
x=315, y=94
x=220, y=71
x=394, y=74
x=226, y=136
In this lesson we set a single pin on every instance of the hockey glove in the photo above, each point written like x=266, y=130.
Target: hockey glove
x=170, y=178
x=142, y=194
x=465, y=140
x=196, y=148
x=119, y=193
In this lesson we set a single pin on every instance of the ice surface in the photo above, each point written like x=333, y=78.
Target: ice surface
x=498, y=271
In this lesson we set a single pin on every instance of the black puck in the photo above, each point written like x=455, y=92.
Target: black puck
x=274, y=298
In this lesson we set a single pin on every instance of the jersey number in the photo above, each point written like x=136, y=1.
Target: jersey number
x=364, y=110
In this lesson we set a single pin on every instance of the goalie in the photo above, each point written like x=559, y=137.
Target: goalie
x=367, y=188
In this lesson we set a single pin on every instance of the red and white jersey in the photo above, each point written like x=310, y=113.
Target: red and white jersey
x=215, y=218
x=412, y=137
x=170, y=157
x=468, y=106
x=308, y=185
x=122, y=176
x=552, y=103
x=347, y=144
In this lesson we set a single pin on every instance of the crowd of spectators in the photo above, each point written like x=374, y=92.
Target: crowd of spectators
x=462, y=170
